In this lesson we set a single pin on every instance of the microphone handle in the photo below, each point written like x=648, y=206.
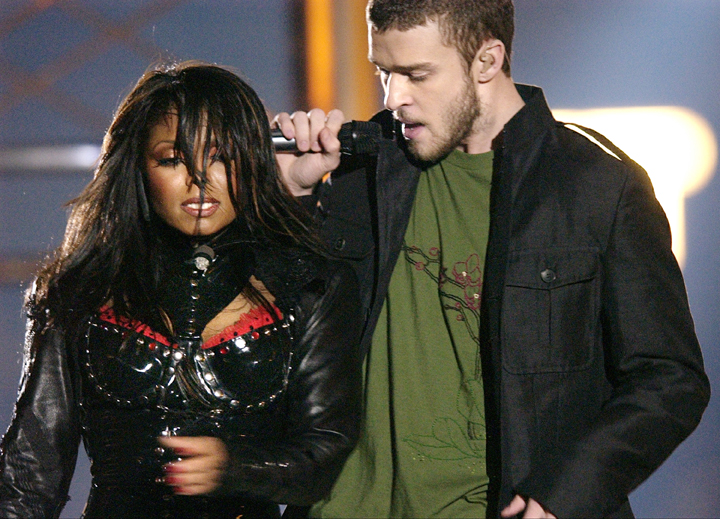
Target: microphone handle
x=281, y=144
x=356, y=138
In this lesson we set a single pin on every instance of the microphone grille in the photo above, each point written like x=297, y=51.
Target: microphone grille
x=360, y=137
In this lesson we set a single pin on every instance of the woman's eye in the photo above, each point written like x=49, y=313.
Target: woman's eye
x=169, y=162
x=214, y=155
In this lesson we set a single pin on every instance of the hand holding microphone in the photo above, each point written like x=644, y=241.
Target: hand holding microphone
x=356, y=138
x=316, y=143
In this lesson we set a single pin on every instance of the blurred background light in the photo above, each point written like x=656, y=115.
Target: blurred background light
x=72, y=157
x=676, y=146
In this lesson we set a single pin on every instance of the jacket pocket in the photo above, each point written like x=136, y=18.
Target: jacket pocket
x=550, y=310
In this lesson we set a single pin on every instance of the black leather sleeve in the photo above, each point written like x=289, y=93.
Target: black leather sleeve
x=40, y=447
x=324, y=401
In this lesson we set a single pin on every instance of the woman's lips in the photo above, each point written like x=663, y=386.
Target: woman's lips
x=196, y=210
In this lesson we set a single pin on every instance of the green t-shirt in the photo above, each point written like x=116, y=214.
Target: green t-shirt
x=422, y=451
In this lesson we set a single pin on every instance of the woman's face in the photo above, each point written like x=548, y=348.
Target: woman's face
x=173, y=194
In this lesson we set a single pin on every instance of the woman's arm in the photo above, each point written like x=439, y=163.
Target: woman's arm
x=324, y=402
x=39, y=450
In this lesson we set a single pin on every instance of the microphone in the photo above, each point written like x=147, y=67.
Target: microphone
x=202, y=257
x=356, y=138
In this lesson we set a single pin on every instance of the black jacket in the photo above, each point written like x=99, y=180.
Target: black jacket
x=592, y=371
x=289, y=452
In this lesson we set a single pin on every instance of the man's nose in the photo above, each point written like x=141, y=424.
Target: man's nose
x=396, y=92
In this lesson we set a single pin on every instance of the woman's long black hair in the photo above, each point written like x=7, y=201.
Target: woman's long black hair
x=109, y=249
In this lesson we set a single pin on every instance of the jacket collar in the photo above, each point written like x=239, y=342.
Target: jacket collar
x=527, y=133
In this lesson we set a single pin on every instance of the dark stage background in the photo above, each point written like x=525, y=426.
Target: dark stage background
x=64, y=66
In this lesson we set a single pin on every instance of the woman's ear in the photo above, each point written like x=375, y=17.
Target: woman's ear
x=489, y=60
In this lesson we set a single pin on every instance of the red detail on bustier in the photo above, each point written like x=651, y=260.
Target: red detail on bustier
x=255, y=318
x=108, y=315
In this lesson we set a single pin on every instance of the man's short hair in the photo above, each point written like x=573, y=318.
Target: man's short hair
x=463, y=24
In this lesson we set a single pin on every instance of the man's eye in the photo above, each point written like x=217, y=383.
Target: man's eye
x=417, y=79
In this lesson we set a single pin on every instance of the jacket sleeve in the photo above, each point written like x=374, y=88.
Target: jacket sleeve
x=39, y=450
x=324, y=401
x=653, y=361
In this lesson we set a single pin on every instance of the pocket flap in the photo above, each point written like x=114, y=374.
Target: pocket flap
x=551, y=268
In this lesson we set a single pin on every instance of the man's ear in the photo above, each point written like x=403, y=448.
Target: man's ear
x=489, y=60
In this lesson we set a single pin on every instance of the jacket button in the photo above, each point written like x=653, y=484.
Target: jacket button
x=339, y=244
x=548, y=276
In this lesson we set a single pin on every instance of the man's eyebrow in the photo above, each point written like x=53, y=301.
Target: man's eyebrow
x=406, y=69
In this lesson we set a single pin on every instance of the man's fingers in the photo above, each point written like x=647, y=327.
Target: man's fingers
x=328, y=137
x=516, y=506
x=283, y=121
x=532, y=509
x=317, y=125
x=334, y=120
x=302, y=130
x=535, y=510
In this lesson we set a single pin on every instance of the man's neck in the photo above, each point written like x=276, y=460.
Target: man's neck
x=500, y=102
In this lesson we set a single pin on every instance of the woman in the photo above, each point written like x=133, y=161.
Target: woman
x=187, y=329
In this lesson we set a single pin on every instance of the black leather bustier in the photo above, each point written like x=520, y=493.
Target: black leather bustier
x=243, y=369
x=139, y=384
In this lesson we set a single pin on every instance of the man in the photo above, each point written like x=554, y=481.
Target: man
x=530, y=349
